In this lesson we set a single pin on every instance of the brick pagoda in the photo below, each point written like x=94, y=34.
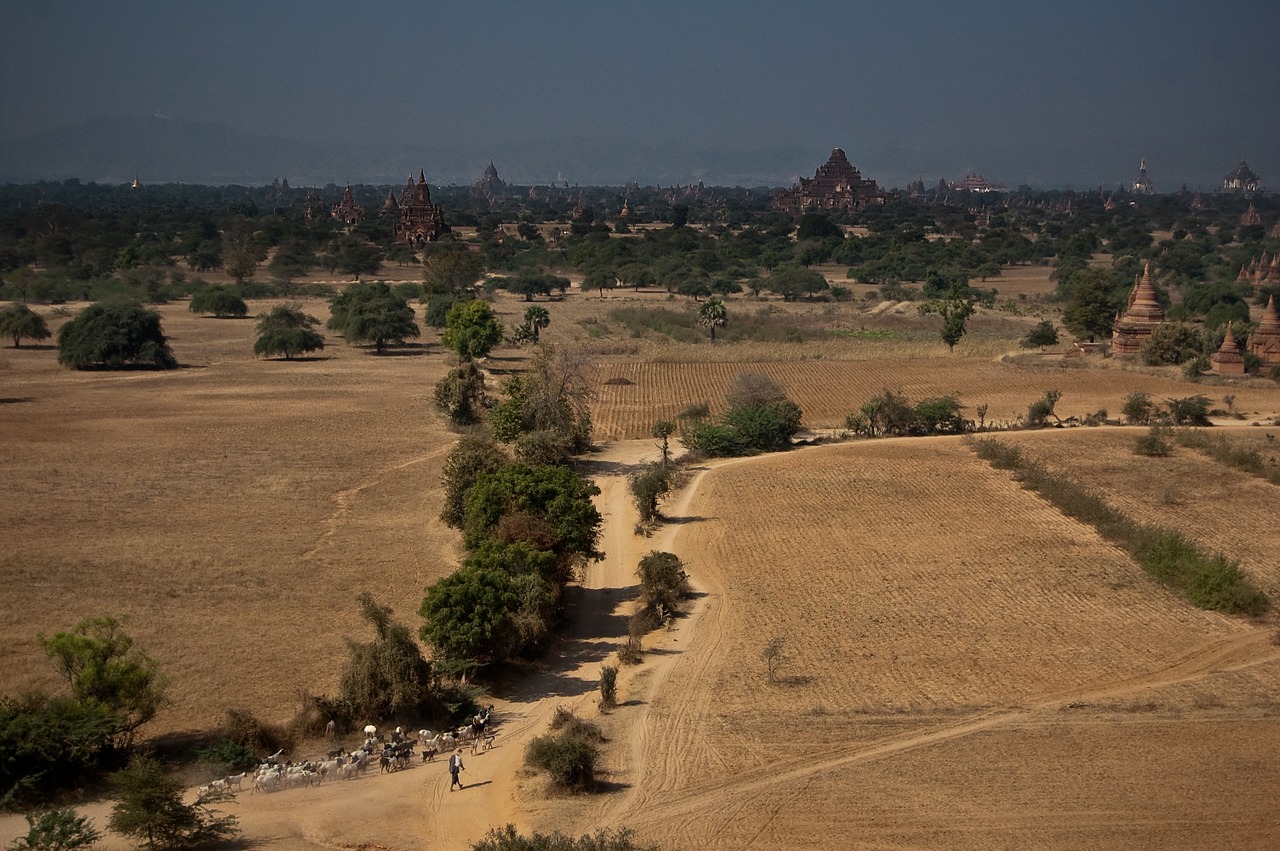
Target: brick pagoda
x=1141, y=317
x=348, y=210
x=1227, y=359
x=1265, y=339
x=836, y=185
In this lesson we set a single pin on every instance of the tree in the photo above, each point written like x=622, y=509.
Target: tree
x=955, y=311
x=471, y=329
x=1039, y=411
x=552, y=398
x=287, y=331
x=1091, y=304
x=449, y=267
x=536, y=318
x=220, y=301
x=792, y=282
x=114, y=336
x=470, y=616
x=1188, y=411
x=150, y=808
x=387, y=678
x=1138, y=408
x=99, y=663
x=774, y=654
x=240, y=254
x=662, y=430
x=712, y=315
x=547, y=506
x=291, y=260
x=357, y=257
x=1170, y=343
x=472, y=457
x=19, y=321
x=664, y=583
x=648, y=485
x=372, y=313
x=460, y=394
x=1043, y=334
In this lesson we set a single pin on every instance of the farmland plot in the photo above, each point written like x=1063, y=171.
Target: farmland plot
x=828, y=390
x=959, y=656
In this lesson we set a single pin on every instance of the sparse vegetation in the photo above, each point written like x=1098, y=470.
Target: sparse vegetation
x=508, y=839
x=150, y=809
x=58, y=829
x=569, y=757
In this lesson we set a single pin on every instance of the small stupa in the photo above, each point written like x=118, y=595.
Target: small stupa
x=1141, y=317
x=1227, y=359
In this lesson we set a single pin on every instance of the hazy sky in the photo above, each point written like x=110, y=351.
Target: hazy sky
x=1039, y=91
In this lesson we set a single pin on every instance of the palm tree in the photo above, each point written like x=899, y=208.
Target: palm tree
x=713, y=315
x=537, y=318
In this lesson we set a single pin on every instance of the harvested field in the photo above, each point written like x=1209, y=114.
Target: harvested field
x=964, y=666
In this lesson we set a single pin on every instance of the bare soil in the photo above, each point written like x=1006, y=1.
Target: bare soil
x=965, y=668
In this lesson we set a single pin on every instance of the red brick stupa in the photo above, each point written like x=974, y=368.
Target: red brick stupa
x=1265, y=339
x=1227, y=360
x=1141, y=317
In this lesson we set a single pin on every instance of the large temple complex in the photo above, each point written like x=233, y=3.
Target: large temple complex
x=836, y=185
x=1242, y=179
x=420, y=220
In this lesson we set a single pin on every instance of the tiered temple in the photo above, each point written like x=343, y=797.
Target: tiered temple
x=420, y=220
x=490, y=185
x=1265, y=339
x=836, y=185
x=1227, y=359
x=1242, y=179
x=1143, y=185
x=348, y=210
x=1250, y=216
x=1261, y=272
x=1144, y=313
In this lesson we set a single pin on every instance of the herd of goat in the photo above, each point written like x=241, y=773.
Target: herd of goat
x=389, y=753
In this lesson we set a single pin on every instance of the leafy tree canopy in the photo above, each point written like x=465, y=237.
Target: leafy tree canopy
x=471, y=329
x=21, y=322
x=114, y=336
x=220, y=301
x=372, y=313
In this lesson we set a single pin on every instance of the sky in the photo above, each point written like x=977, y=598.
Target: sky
x=1042, y=92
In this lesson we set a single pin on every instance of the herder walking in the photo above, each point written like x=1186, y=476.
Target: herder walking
x=456, y=766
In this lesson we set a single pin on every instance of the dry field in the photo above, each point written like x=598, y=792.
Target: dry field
x=966, y=668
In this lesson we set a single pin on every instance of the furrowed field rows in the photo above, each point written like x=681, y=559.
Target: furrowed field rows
x=828, y=390
x=907, y=576
x=1186, y=491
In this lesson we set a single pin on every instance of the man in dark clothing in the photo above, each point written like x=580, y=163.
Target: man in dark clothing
x=455, y=766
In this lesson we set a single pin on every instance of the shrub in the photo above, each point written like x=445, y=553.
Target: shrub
x=56, y=830
x=244, y=732
x=52, y=744
x=507, y=839
x=1039, y=411
x=1138, y=408
x=460, y=394
x=608, y=687
x=1153, y=444
x=1189, y=411
x=228, y=756
x=649, y=485
x=220, y=301
x=663, y=581
x=570, y=758
x=150, y=809
x=386, y=678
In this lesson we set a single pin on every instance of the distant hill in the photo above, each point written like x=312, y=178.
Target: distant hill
x=166, y=150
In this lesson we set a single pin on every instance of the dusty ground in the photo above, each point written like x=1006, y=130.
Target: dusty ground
x=965, y=667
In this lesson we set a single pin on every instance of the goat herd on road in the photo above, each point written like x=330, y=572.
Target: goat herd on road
x=389, y=753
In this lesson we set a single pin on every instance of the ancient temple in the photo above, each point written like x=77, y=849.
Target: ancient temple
x=348, y=210
x=420, y=220
x=1265, y=339
x=1241, y=179
x=390, y=207
x=1227, y=359
x=1250, y=217
x=1197, y=203
x=1261, y=271
x=1139, y=319
x=490, y=185
x=974, y=182
x=836, y=185
x=1143, y=185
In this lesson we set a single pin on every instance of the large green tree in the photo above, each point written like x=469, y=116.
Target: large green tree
x=372, y=313
x=471, y=329
x=100, y=664
x=792, y=282
x=149, y=808
x=220, y=301
x=287, y=331
x=19, y=321
x=1092, y=304
x=114, y=336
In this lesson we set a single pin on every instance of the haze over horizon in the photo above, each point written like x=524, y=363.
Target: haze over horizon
x=1049, y=95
